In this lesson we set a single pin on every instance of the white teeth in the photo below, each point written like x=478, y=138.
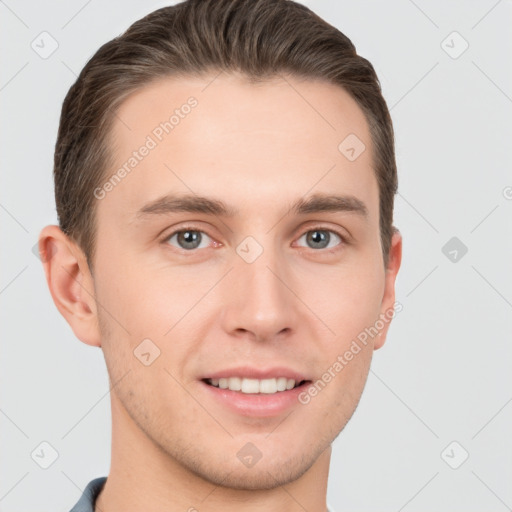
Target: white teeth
x=235, y=384
x=250, y=386
x=281, y=383
x=267, y=386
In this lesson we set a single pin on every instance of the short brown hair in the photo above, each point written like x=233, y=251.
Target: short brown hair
x=259, y=38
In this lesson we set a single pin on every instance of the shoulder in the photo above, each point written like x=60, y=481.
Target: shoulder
x=88, y=498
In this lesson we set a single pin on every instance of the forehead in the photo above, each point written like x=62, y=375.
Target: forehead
x=221, y=136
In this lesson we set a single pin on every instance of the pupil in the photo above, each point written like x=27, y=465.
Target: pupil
x=188, y=238
x=319, y=237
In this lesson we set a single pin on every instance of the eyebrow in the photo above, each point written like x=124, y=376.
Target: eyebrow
x=316, y=203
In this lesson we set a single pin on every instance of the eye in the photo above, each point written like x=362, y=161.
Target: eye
x=188, y=239
x=321, y=238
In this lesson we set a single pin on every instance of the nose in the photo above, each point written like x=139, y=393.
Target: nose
x=260, y=303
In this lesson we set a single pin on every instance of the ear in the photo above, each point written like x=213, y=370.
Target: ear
x=70, y=283
x=388, y=298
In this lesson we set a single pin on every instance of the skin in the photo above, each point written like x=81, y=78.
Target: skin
x=258, y=148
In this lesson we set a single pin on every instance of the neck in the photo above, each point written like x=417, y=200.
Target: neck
x=143, y=477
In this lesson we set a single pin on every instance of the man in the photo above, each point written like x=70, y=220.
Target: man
x=224, y=180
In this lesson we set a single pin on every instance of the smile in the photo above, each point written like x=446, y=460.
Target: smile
x=252, y=386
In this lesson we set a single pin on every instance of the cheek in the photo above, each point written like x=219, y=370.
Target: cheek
x=332, y=399
x=346, y=355
x=351, y=304
x=356, y=295
x=143, y=314
x=137, y=303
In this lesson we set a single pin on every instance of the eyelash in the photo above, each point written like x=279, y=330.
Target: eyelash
x=343, y=238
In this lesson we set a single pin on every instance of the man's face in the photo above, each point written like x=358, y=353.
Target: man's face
x=267, y=293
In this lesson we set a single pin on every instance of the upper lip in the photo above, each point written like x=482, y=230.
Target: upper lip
x=252, y=372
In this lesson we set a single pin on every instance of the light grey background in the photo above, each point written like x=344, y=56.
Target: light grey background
x=442, y=374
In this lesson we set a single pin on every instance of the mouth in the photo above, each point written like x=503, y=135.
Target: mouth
x=252, y=392
x=251, y=386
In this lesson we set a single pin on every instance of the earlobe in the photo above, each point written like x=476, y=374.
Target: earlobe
x=70, y=283
x=388, y=299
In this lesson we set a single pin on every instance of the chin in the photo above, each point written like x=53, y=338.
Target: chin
x=263, y=476
x=278, y=463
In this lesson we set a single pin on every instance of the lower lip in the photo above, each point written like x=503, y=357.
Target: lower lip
x=256, y=404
